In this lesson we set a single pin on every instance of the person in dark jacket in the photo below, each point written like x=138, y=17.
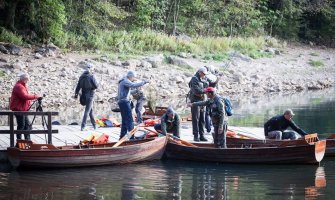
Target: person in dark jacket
x=125, y=84
x=212, y=80
x=197, y=86
x=138, y=95
x=275, y=127
x=87, y=84
x=218, y=115
x=20, y=101
x=170, y=123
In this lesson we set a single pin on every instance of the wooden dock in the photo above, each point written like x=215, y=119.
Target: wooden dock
x=71, y=134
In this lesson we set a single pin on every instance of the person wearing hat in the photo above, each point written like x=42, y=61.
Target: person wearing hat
x=125, y=84
x=20, y=101
x=87, y=84
x=218, y=115
x=275, y=127
x=196, y=94
x=170, y=123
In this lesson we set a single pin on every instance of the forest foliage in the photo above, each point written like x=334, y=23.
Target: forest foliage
x=142, y=25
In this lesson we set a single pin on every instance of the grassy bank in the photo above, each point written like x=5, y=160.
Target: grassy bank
x=147, y=41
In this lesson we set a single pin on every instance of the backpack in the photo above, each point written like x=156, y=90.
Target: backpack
x=228, y=106
x=86, y=82
x=108, y=123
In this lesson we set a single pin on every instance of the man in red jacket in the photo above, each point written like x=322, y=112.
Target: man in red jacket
x=20, y=101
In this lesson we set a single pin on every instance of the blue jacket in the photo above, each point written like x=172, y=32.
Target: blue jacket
x=124, y=88
x=279, y=123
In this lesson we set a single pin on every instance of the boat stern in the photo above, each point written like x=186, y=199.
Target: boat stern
x=320, y=149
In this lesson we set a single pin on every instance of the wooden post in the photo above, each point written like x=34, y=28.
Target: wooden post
x=8, y=109
x=49, y=129
x=11, y=129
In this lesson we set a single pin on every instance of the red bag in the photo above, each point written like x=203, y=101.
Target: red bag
x=151, y=122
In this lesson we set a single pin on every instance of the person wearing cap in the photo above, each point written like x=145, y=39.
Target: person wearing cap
x=275, y=127
x=20, y=101
x=218, y=115
x=170, y=123
x=125, y=84
x=196, y=94
x=87, y=84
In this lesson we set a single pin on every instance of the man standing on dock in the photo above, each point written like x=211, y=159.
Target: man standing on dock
x=125, y=84
x=218, y=114
x=20, y=101
x=196, y=94
x=87, y=84
x=275, y=127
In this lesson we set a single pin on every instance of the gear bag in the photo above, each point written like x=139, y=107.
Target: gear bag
x=228, y=106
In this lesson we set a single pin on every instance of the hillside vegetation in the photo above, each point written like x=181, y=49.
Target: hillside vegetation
x=139, y=26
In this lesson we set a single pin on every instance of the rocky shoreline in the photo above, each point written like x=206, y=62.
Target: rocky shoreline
x=56, y=73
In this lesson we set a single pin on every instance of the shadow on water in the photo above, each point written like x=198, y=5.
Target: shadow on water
x=170, y=179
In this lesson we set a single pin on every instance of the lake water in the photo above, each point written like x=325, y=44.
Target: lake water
x=168, y=179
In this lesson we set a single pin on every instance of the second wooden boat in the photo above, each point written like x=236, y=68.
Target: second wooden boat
x=267, y=154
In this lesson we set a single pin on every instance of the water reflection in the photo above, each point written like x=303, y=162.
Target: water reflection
x=167, y=180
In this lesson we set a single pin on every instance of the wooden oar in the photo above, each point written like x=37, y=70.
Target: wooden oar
x=243, y=135
x=126, y=137
x=174, y=137
x=182, y=141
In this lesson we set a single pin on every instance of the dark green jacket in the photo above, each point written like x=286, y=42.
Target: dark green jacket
x=167, y=125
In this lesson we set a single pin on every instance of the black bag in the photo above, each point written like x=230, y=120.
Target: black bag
x=82, y=99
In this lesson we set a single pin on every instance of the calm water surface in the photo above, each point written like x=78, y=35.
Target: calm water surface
x=174, y=180
x=169, y=179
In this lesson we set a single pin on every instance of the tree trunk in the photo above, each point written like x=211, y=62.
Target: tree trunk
x=175, y=16
x=10, y=19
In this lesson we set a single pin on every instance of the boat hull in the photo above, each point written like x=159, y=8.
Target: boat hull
x=330, y=148
x=99, y=155
x=305, y=154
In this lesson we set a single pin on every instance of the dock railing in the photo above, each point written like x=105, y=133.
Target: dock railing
x=12, y=132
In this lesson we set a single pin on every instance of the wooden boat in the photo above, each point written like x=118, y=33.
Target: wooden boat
x=30, y=155
x=268, y=154
x=330, y=148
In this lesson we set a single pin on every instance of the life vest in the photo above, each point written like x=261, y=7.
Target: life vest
x=151, y=122
x=96, y=139
x=103, y=139
x=100, y=123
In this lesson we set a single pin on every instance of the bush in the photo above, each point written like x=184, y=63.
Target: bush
x=316, y=63
x=10, y=37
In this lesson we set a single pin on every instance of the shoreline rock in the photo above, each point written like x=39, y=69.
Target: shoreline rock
x=56, y=74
